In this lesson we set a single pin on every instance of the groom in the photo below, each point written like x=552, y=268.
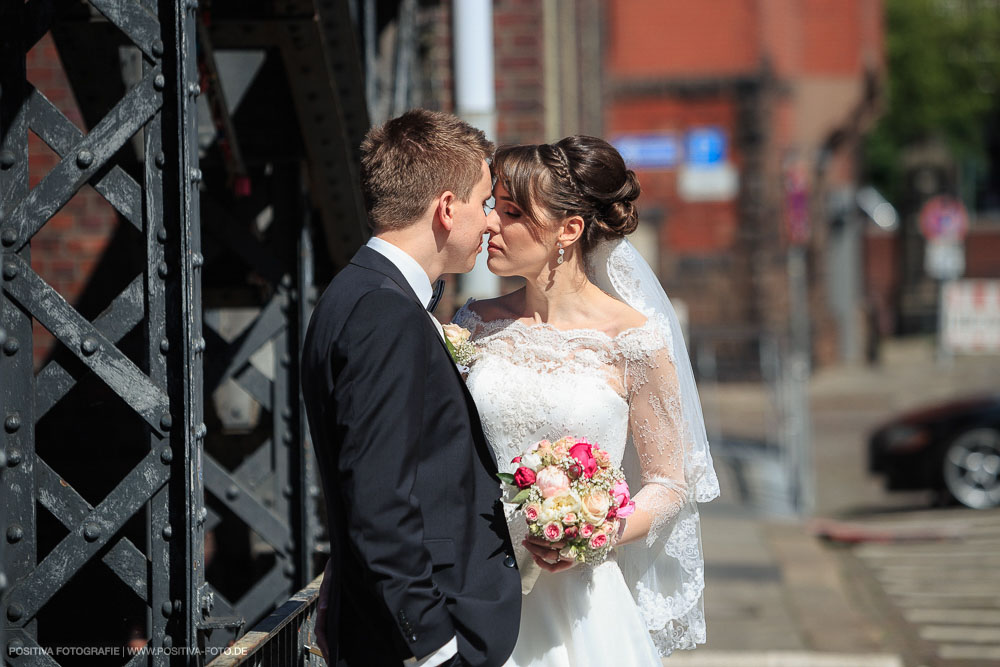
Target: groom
x=421, y=569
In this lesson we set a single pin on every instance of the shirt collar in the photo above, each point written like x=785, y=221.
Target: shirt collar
x=414, y=274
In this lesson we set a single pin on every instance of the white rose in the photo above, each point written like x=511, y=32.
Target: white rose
x=531, y=460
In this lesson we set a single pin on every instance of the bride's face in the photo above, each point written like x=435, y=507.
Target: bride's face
x=517, y=246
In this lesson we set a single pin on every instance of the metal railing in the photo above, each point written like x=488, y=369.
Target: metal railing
x=282, y=639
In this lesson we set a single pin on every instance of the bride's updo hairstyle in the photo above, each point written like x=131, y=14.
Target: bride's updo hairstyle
x=578, y=175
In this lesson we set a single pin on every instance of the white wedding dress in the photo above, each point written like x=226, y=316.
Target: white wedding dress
x=534, y=382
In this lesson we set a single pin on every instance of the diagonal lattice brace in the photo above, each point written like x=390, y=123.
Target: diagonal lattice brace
x=124, y=559
x=125, y=312
x=266, y=592
x=59, y=185
x=33, y=653
x=135, y=21
x=268, y=324
x=87, y=539
x=241, y=501
x=117, y=187
x=83, y=339
x=255, y=383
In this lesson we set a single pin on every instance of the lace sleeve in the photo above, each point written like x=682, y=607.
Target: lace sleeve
x=656, y=425
x=466, y=318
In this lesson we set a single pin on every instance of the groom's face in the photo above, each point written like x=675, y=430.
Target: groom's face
x=466, y=237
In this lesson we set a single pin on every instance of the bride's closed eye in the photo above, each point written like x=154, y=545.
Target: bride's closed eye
x=512, y=213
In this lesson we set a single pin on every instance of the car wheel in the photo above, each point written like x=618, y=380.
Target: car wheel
x=971, y=468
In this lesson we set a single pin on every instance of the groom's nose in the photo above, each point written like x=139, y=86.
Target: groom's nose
x=493, y=222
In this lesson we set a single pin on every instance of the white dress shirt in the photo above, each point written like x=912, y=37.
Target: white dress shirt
x=420, y=283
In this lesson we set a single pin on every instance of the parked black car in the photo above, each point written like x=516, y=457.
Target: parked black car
x=952, y=447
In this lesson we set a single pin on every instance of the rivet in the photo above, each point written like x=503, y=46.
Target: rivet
x=161, y=234
x=10, y=270
x=194, y=89
x=167, y=608
x=167, y=455
x=12, y=423
x=287, y=492
x=286, y=437
x=199, y=345
x=167, y=532
x=6, y=159
x=164, y=346
x=200, y=431
x=168, y=641
x=162, y=270
x=9, y=236
x=166, y=422
x=13, y=458
x=285, y=360
x=15, y=612
x=192, y=4
x=159, y=82
x=84, y=159
x=89, y=345
x=286, y=280
x=177, y=606
x=196, y=175
x=286, y=413
x=197, y=259
x=3, y=462
x=15, y=647
x=160, y=160
x=157, y=48
x=91, y=532
x=11, y=346
x=14, y=534
x=232, y=492
x=289, y=570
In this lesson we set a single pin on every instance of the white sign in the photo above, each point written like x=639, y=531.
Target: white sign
x=971, y=321
x=719, y=182
x=944, y=259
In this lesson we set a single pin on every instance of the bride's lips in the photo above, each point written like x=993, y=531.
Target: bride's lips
x=493, y=249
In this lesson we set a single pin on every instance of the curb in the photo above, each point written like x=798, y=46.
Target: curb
x=781, y=659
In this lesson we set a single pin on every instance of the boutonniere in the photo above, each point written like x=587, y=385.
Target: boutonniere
x=457, y=340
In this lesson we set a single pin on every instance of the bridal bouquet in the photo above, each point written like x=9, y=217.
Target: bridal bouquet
x=569, y=492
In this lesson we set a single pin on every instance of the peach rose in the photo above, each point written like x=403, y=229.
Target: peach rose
x=552, y=481
x=595, y=506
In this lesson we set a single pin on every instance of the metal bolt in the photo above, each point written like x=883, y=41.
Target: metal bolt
x=200, y=431
x=202, y=515
x=161, y=234
x=159, y=82
x=167, y=455
x=11, y=346
x=197, y=259
x=6, y=159
x=289, y=570
x=15, y=612
x=164, y=346
x=89, y=345
x=15, y=647
x=286, y=280
x=13, y=458
x=177, y=606
x=194, y=89
x=286, y=413
x=196, y=175
x=9, y=236
x=162, y=270
x=14, y=533
x=168, y=641
x=84, y=159
x=10, y=270
x=167, y=532
x=199, y=345
x=166, y=422
x=232, y=492
x=167, y=608
x=160, y=160
x=157, y=48
x=286, y=437
x=91, y=532
x=287, y=492
x=207, y=602
x=12, y=423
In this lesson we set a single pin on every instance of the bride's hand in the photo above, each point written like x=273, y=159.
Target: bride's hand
x=546, y=554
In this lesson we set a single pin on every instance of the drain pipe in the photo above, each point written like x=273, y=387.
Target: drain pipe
x=475, y=102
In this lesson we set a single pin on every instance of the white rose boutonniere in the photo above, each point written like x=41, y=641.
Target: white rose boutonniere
x=459, y=345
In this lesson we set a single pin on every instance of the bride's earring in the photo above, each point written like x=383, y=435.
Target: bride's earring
x=562, y=254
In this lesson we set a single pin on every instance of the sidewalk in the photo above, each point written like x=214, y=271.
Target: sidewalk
x=777, y=596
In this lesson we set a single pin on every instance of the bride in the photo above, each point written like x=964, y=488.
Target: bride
x=590, y=347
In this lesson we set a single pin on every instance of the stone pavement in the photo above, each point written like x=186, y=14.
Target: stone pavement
x=776, y=594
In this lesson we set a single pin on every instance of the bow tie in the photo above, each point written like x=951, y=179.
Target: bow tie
x=436, y=296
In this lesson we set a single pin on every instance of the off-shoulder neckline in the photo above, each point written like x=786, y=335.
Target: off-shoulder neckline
x=545, y=326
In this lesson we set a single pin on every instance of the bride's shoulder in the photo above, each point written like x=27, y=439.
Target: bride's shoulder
x=481, y=311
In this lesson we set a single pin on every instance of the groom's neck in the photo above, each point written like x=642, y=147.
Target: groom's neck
x=412, y=241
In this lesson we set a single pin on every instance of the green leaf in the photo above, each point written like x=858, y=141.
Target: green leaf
x=521, y=497
x=506, y=477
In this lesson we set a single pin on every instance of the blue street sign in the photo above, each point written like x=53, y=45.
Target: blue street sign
x=704, y=146
x=648, y=151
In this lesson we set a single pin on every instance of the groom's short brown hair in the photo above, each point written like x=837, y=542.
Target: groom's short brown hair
x=412, y=159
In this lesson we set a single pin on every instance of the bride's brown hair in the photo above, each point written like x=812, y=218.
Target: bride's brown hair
x=578, y=175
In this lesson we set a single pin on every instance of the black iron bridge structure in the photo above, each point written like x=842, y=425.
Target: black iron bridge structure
x=159, y=497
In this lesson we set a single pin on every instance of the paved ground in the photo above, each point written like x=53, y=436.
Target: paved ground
x=777, y=595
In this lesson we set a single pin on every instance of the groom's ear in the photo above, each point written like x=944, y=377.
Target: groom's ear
x=444, y=211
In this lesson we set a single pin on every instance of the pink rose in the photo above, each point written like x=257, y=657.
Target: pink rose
x=552, y=531
x=552, y=481
x=622, y=500
x=586, y=530
x=531, y=511
x=516, y=459
x=599, y=541
x=524, y=477
x=569, y=519
x=581, y=451
x=571, y=532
